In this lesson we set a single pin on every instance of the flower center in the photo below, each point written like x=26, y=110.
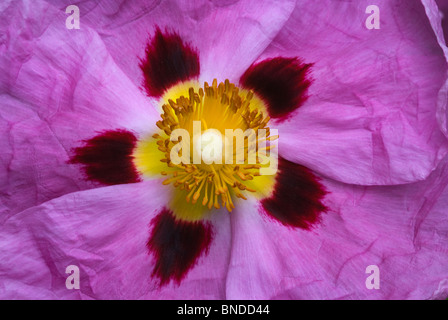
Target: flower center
x=214, y=142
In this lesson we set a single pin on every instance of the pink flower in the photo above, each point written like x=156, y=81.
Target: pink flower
x=362, y=143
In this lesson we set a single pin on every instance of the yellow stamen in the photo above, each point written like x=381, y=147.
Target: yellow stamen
x=219, y=106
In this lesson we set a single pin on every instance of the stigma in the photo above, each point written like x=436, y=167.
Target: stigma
x=210, y=146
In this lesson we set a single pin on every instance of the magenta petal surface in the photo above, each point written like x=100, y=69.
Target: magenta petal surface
x=213, y=27
x=438, y=16
x=400, y=229
x=371, y=113
x=443, y=8
x=58, y=87
x=104, y=232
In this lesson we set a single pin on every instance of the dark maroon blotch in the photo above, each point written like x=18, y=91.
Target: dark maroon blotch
x=281, y=82
x=297, y=197
x=177, y=245
x=167, y=61
x=107, y=157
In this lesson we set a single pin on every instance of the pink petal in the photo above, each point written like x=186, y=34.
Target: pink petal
x=243, y=29
x=371, y=113
x=401, y=229
x=58, y=87
x=104, y=232
x=443, y=8
x=438, y=16
x=214, y=27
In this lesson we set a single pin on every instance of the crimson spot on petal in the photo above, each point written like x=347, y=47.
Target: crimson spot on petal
x=107, y=157
x=167, y=61
x=177, y=245
x=296, y=200
x=281, y=82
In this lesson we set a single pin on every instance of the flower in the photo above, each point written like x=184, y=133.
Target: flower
x=367, y=130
